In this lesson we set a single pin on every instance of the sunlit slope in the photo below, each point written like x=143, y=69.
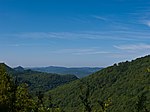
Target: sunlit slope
x=121, y=83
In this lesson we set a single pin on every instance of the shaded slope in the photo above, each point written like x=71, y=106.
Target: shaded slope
x=8, y=69
x=39, y=81
x=122, y=83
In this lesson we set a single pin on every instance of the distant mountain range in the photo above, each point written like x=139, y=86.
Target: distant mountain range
x=79, y=72
x=19, y=69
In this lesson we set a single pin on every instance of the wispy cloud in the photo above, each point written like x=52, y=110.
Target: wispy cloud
x=111, y=35
x=28, y=45
x=147, y=23
x=92, y=53
x=133, y=47
x=99, y=17
x=80, y=51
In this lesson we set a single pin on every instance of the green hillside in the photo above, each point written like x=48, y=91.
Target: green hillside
x=15, y=85
x=8, y=69
x=123, y=87
x=38, y=81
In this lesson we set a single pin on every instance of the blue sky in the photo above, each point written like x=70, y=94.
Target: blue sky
x=73, y=33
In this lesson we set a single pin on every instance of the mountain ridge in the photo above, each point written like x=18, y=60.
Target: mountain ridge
x=78, y=71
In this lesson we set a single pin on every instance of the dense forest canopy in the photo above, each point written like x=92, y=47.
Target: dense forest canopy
x=123, y=87
x=38, y=81
x=15, y=97
x=122, y=84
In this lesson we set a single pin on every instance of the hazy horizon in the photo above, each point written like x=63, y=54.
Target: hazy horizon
x=40, y=66
x=73, y=33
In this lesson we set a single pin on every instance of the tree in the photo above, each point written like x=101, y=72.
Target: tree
x=105, y=104
x=13, y=97
x=141, y=104
x=84, y=96
x=24, y=101
x=6, y=91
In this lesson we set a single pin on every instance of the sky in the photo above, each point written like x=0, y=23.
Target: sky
x=73, y=33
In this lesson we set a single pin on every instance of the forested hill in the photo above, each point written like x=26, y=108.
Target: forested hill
x=123, y=87
x=38, y=81
x=79, y=72
x=8, y=69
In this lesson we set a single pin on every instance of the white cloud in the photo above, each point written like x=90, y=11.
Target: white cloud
x=123, y=35
x=145, y=22
x=82, y=51
x=133, y=47
x=100, y=17
x=91, y=53
x=148, y=23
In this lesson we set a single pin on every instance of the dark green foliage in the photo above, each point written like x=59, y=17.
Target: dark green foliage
x=122, y=83
x=84, y=96
x=16, y=98
x=6, y=90
x=124, y=87
x=104, y=105
x=13, y=97
x=24, y=101
x=38, y=81
x=141, y=104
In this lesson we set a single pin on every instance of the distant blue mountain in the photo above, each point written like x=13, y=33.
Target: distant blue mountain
x=19, y=69
x=79, y=72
